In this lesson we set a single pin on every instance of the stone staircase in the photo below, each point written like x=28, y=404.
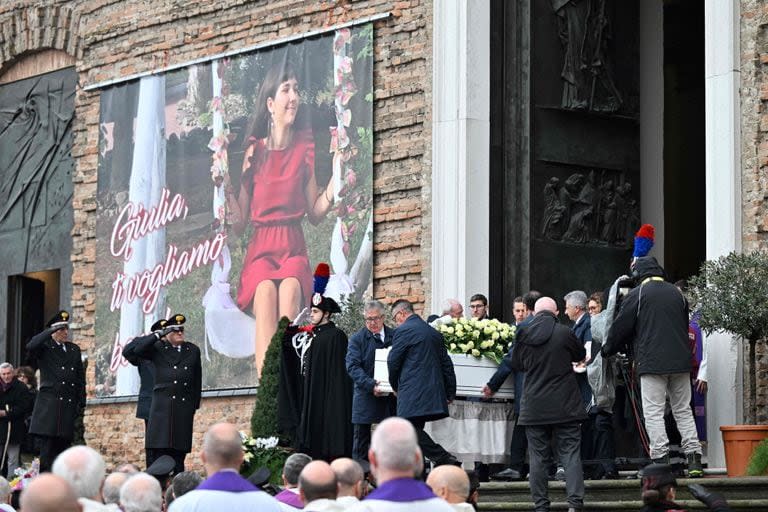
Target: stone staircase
x=748, y=493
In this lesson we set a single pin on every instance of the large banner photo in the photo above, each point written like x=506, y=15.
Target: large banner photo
x=221, y=185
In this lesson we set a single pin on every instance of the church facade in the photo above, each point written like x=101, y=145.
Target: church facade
x=516, y=145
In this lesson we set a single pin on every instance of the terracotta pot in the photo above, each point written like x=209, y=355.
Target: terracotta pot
x=739, y=441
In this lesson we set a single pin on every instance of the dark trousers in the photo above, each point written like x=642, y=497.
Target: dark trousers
x=361, y=440
x=518, y=448
x=148, y=451
x=603, y=443
x=178, y=457
x=568, y=439
x=431, y=450
x=50, y=448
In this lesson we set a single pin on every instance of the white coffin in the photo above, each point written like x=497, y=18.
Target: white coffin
x=472, y=374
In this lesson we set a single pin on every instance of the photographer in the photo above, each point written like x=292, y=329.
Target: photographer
x=653, y=319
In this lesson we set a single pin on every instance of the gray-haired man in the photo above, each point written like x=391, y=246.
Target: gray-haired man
x=369, y=404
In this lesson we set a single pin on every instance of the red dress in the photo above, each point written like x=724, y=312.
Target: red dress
x=277, y=250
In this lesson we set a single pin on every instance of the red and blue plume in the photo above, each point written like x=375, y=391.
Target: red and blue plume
x=643, y=241
x=322, y=275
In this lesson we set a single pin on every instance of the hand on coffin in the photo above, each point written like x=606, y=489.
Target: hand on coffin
x=487, y=392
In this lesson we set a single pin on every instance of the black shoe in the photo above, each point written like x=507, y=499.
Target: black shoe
x=448, y=461
x=508, y=475
x=661, y=460
x=695, y=470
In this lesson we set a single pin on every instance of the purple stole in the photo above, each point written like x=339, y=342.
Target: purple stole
x=401, y=490
x=228, y=481
x=290, y=498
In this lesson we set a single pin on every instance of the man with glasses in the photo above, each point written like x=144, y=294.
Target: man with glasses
x=369, y=404
x=478, y=306
x=62, y=388
x=421, y=373
x=176, y=395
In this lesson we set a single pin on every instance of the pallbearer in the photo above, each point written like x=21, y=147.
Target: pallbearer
x=61, y=397
x=176, y=395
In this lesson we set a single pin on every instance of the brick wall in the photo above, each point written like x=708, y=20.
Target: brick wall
x=114, y=38
x=754, y=170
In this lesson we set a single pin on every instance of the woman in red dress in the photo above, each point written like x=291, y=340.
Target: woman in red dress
x=278, y=188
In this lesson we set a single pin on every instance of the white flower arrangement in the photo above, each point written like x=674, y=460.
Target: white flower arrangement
x=489, y=338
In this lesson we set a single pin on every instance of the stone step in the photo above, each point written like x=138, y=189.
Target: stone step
x=754, y=505
x=747, y=492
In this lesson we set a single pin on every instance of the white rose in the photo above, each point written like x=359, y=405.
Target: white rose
x=453, y=346
x=495, y=336
x=476, y=353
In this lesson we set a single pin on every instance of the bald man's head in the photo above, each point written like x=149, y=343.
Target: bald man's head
x=349, y=476
x=317, y=481
x=546, y=304
x=49, y=493
x=395, y=446
x=222, y=447
x=450, y=483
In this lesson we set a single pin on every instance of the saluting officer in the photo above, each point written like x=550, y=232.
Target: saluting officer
x=176, y=395
x=61, y=397
x=147, y=383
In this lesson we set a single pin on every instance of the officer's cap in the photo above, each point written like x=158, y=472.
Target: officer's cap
x=160, y=324
x=59, y=319
x=162, y=467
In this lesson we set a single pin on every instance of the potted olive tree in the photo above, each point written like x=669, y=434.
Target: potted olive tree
x=731, y=294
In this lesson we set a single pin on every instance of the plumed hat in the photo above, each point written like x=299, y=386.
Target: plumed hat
x=643, y=241
x=320, y=301
x=160, y=324
x=59, y=319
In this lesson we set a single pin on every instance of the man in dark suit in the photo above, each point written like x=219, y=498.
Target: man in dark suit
x=61, y=397
x=147, y=383
x=178, y=384
x=369, y=404
x=15, y=405
x=421, y=373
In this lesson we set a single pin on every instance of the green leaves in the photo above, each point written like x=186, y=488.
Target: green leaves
x=731, y=294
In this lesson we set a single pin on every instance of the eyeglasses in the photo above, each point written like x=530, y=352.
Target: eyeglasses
x=476, y=306
x=178, y=329
x=373, y=318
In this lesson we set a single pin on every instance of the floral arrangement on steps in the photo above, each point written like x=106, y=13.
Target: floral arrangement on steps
x=263, y=452
x=488, y=338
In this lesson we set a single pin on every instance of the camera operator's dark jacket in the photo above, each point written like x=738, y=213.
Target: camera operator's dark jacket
x=545, y=350
x=653, y=319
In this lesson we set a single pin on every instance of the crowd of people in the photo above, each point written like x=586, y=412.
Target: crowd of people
x=330, y=400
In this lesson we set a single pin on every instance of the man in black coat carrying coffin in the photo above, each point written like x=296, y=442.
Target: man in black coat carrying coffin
x=176, y=394
x=61, y=397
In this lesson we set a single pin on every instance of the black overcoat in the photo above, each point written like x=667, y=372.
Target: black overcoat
x=421, y=371
x=325, y=429
x=147, y=383
x=176, y=394
x=17, y=402
x=61, y=396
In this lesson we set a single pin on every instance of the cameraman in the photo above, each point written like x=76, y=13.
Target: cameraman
x=654, y=318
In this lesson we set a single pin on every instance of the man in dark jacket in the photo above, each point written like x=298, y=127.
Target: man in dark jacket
x=653, y=320
x=62, y=388
x=369, y=404
x=552, y=404
x=519, y=445
x=15, y=404
x=147, y=383
x=178, y=384
x=421, y=373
